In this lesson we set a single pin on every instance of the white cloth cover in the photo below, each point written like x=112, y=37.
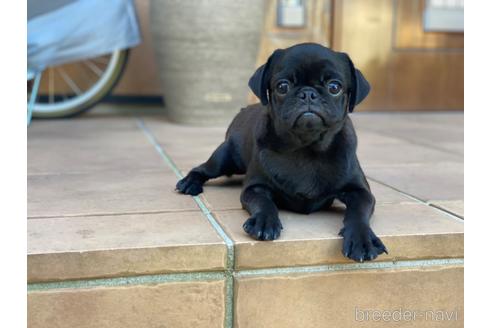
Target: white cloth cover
x=79, y=29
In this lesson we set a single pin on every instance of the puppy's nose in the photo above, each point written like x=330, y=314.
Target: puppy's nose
x=308, y=94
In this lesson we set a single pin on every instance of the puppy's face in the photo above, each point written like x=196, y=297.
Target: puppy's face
x=310, y=89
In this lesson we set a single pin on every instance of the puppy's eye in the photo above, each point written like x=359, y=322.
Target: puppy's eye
x=283, y=87
x=334, y=87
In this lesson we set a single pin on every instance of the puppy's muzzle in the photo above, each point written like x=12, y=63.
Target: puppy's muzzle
x=309, y=120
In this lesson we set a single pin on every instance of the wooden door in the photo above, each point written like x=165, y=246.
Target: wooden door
x=409, y=69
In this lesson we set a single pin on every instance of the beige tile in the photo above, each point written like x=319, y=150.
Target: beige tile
x=334, y=299
x=418, y=127
x=97, y=166
x=368, y=138
x=109, y=131
x=438, y=131
x=108, y=110
x=224, y=193
x=453, y=147
x=436, y=119
x=60, y=158
x=454, y=206
x=378, y=147
x=402, y=153
x=187, y=157
x=410, y=231
x=188, y=146
x=387, y=195
x=173, y=304
x=167, y=132
x=105, y=246
x=104, y=192
x=437, y=181
x=71, y=146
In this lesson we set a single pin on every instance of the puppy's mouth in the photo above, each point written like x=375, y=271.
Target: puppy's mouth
x=309, y=120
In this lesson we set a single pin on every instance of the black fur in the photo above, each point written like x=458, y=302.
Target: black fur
x=298, y=149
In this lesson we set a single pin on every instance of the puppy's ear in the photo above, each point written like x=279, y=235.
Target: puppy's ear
x=359, y=88
x=260, y=80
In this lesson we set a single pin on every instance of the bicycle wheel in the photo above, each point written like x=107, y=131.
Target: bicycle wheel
x=73, y=88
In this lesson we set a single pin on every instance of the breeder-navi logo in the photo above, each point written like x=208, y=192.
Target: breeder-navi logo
x=397, y=315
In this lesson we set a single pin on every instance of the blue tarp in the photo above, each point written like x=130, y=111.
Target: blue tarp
x=73, y=30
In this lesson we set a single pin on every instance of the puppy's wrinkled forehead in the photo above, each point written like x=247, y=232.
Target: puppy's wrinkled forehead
x=307, y=63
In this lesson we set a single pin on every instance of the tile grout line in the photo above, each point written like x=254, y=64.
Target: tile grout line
x=445, y=210
x=75, y=216
x=229, y=279
x=127, y=281
x=418, y=200
x=349, y=267
x=219, y=275
x=197, y=199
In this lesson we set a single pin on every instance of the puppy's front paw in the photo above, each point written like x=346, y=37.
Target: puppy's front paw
x=360, y=243
x=190, y=185
x=263, y=226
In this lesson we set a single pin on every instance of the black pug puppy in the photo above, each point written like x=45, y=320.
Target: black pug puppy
x=297, y=148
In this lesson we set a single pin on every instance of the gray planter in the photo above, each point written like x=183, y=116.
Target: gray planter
x=206, y=51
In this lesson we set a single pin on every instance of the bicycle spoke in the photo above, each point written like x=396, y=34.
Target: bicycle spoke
x=86, y=76
x=75, y=86
x=101, y=60
x=51, y=85
x=69, y=81
x=93, y=67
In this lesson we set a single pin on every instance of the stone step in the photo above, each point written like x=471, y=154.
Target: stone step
x=110, y=244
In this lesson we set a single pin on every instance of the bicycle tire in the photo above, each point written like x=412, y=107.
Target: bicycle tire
x=76, y=106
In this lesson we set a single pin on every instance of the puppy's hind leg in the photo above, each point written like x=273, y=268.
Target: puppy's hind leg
x=220, y=163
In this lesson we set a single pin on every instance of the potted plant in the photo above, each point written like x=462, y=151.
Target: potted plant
x=206, y=51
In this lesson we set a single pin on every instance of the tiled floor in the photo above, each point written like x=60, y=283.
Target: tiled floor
x=109, y=238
